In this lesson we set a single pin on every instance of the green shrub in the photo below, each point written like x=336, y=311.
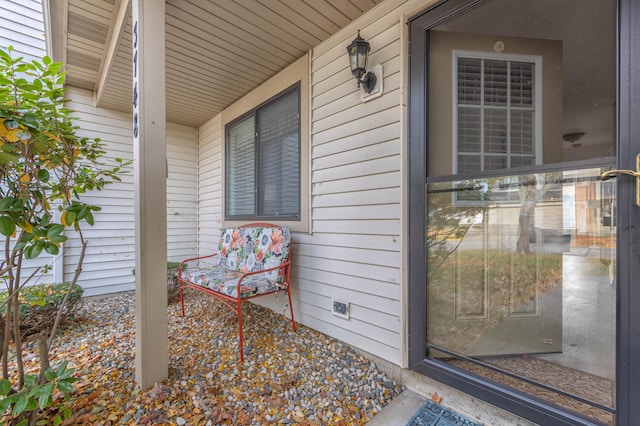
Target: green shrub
x=39, y=304
x=34, y=396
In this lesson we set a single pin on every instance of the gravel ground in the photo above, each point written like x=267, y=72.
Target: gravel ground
x=303, y=378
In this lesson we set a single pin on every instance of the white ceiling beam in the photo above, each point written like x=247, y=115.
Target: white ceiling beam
x=116, y=29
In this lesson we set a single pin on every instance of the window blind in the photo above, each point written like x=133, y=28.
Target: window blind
x=279, y=157
x=495, y=114
x=240, y=168
x=263, y=161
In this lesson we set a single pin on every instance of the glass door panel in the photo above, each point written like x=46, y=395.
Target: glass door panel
x=520, y=229
x=521, y=283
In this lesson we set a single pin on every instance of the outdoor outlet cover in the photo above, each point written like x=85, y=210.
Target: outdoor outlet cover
x=340, y=309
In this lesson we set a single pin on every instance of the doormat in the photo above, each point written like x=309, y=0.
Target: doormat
x=432, y=414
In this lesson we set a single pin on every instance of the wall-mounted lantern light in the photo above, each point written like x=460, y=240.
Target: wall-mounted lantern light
x=358, y=54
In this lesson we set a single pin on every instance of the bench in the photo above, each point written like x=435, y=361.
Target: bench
x=252, y=260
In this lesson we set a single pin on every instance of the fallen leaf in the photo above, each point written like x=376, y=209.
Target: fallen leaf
x=150, y=417
x=436, y=398
x=243, y=419
x=157, y=392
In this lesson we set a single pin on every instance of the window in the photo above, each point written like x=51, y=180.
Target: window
x=263, y=153
x=496, y=105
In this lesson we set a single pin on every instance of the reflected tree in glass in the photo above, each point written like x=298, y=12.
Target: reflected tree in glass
x=529, y=197
x=448, y=222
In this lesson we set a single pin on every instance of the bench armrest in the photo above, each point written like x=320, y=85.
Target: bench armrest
x=283, y=266
x=193, y=259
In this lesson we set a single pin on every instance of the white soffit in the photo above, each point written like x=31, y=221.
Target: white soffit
x=217, y=50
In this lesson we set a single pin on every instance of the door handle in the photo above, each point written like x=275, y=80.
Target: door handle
x=611, y=173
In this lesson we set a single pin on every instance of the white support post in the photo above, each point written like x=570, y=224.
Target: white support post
x=150, y=159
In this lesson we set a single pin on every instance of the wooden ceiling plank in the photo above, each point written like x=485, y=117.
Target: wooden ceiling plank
x=223, y=44
x=177, y=101
x=217, y=50
x=207, y=89
x=84, y=27
x=88, y=47
x=188, y=81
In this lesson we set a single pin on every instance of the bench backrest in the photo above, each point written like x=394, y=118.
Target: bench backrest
x=254, y=248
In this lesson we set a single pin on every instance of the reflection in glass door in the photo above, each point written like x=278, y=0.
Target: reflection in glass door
x=520, y=229
x=524, y=294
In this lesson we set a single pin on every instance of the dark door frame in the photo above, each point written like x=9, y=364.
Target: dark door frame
x=628, y=245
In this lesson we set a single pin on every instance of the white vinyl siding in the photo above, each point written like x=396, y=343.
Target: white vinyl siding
x=21, y=26
x=353, y=252
x=110, y=257
x=182, y=192
x=210, y=185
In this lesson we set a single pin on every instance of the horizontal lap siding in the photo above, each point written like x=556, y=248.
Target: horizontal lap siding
x=355, y=251
x=182, y=191
x=110, y=257
x=210, y=185
x=21, y=26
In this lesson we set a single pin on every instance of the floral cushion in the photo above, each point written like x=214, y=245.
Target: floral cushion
x=226, y=282
x=243, y=250
x=250, y=249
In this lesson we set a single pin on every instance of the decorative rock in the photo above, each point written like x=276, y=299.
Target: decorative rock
x=287, y=378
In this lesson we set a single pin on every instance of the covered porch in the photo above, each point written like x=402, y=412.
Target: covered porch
x=170, y=76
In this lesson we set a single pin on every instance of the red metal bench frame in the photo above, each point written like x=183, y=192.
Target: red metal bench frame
x=235, y=303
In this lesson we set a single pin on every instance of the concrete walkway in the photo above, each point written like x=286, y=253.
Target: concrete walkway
x=399, y=411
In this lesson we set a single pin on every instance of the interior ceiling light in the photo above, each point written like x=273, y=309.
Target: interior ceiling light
x=573, y=137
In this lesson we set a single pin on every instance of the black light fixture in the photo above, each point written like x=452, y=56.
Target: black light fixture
x=573, y=137
x=358, y=54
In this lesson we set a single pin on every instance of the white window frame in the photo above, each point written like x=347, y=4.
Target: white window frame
x=537, y=97
x=254, y=113
x=297, y=73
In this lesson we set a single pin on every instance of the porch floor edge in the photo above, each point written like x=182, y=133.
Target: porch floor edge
x=419, y=388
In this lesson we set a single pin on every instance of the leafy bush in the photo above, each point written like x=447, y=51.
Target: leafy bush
x=37, y=396
x=39, y=304
x=44, y=166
